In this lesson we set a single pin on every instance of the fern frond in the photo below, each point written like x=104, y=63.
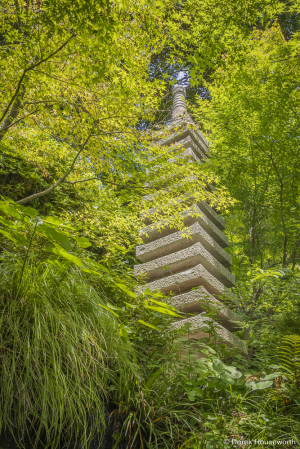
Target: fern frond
x=289, y=356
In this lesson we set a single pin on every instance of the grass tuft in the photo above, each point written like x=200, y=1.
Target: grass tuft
x=60, y=353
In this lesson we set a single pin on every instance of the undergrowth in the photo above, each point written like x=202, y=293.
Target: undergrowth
x=60, y=353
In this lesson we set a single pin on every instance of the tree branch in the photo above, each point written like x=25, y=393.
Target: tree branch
x=60, y=181
x=14, y=112
x=2, y=134
x=293, y=255
x=28, y=69
x=82, y=180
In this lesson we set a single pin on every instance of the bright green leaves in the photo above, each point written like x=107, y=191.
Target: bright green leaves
x=202, y=32
x=112, y=90
x=162, y=304
x=7, y=208
x=12, y=231
x=227, y=378
x=211, y=374
x=65, y=242
x=163, y=310
x=125, y=289
x=109, y=309
x=27, y=218
x=15, y=236
x=55, y=221
x=253, y=122
x=263, y=385
x=66, y=255
x=148, y=324
x=253, y=119
x=83, y=242
x=218, y=365
x=8, y=223
x=58, y=237
x=174, y=188
x=30, y=211
x=289, y=355
x=125, y=331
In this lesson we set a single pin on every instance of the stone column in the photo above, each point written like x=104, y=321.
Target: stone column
x=179, y=105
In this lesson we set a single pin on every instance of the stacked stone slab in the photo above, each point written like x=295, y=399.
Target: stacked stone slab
x=194, y=269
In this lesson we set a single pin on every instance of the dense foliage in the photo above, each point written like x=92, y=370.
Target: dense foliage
x=85, y=90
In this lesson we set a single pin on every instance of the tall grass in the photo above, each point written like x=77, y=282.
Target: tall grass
x=60, y=352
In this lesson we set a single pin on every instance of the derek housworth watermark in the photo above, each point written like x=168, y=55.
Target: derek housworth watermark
x=255, y=442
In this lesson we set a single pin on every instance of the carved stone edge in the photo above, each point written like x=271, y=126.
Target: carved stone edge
x=186, y=258
x=167, y=245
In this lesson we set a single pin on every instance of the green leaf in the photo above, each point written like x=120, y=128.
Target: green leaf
x=21, y=239
x=8, y=209
x=227, y=379
x=153, y=379
x=211, y=417
x=132, y=306
x=56, y=263
x=87, y=270
x=83, y=242
x=58, y=237
x=16, y=237
x=120, y=248
x=54, y=220
x=8, y=223
x=251, y=385
x=218, y=365
x=97, y=265
x=263, y=385
x=9, y=236
x=163, y=304
x=102, y=267
x=162, y=310
x=148, y=325
x=123, y=331
x=57, y=222
x=270, y=376
x=30, y=211
x=233, y=372
x=107, y=308
x=111, y=306
x=66, y=255
x=125, y=289
x=148, y=291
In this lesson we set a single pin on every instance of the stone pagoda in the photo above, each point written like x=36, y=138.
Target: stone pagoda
x=199, y=279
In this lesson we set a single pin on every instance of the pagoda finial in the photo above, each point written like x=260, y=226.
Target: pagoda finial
x=179, y=105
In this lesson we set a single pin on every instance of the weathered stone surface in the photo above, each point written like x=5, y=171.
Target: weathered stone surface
x=178, y=241
x=193, y=154
x=197, y=301
x=189, y=144
x=212, y=215
x=184, y=130
x=186, y=280
x=196, y=325
x=181, y=120
x=181, y=260
x=158, y=230
x=179, y=111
